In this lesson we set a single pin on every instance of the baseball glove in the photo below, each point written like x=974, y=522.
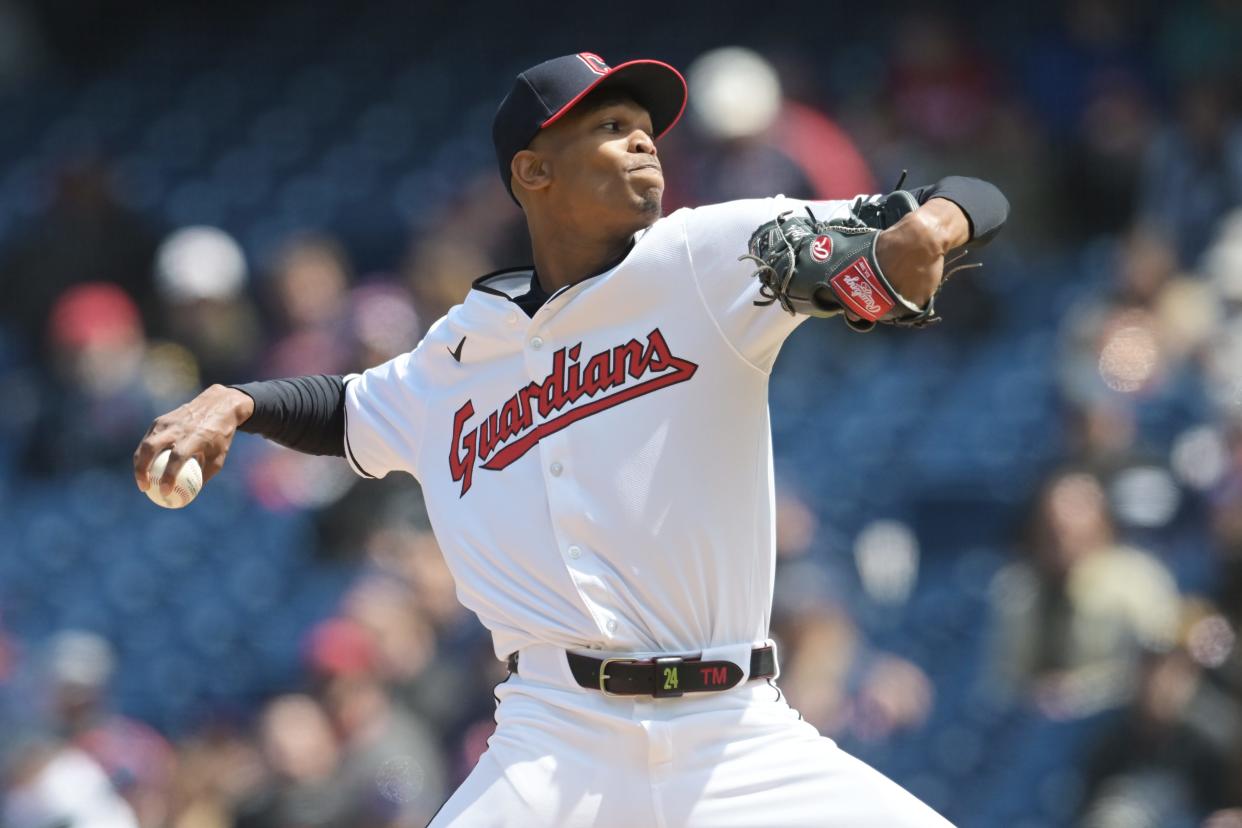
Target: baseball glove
x=829, y=268
x=883, y=211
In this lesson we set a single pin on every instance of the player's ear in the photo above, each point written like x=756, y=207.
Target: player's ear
x=530, y=170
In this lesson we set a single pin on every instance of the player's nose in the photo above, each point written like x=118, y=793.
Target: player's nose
x=640, y=141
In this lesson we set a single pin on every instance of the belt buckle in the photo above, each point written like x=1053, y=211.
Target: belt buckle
x=603, y=676
x=668, y=677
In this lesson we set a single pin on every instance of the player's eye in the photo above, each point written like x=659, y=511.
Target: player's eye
x=611, y=125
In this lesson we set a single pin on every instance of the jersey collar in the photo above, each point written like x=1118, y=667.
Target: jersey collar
x=509, y=282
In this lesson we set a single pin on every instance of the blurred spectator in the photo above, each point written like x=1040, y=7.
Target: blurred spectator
x=1167, y=762
x=1193, y=171
x=829, y=673
x=304, y=786
x=383, y=323
x=85, y=235
x=476, y=232
x=201, y=278
x=1088, y=79
x=50, y=785
x=756, y=143
x=1074, y=615
x=391, y=767
x=941, y=87
x=217, y=771
x=97, y=399
x=1137, y=347
x=1226, y=525
x=1092, y=45
x=1223, y=359
x=309, y=286
x=137, y=759
x=1103, y=165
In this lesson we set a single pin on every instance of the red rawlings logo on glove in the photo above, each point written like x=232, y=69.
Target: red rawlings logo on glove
x=860, y=290
x=821, y=248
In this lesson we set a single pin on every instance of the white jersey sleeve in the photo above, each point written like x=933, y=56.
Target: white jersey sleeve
x=716, y=235
x=384, y=418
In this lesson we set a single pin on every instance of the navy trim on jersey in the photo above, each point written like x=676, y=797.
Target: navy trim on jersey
x=535, y=296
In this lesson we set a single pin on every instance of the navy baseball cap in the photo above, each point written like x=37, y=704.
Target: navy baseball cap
x=543, y=94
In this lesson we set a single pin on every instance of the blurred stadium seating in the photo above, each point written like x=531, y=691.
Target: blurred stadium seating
x=371, y=121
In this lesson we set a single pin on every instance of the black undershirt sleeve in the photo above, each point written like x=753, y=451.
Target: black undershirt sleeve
x=306, y=414
x=986, y=208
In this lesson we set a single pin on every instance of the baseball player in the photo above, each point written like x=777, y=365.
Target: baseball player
x=592, y=439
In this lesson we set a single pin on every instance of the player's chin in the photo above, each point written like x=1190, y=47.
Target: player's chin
x=649, y=198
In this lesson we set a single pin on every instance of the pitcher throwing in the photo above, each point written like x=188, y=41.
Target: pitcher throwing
x=592, y=439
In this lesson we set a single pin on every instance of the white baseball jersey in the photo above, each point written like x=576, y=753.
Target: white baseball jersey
x=600, y=475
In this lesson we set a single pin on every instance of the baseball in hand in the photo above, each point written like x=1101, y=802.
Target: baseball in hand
x=189, y=481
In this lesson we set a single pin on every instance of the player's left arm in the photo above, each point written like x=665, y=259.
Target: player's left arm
x=953, y=212
x=912, y=251
x=881, y=259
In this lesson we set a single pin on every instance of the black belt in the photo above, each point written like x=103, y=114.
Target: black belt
x=662, y=677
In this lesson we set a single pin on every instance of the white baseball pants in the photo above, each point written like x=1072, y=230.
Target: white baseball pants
x=566, y=756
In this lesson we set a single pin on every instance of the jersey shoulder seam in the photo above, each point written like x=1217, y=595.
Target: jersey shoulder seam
x=698, y=288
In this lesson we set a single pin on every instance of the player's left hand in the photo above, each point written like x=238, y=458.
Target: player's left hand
x=870, y=275
x=912, y=251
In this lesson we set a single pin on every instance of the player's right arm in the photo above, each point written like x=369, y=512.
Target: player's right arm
x=372, y=419
x=304, y=413
x=203, y=428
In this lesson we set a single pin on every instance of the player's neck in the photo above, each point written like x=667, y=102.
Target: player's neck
x=565, y=259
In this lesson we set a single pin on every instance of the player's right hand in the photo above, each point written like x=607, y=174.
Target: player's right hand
x=203, y=429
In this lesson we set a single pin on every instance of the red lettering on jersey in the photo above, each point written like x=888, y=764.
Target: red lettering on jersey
x=512, y=425
x=714, y=676
x=462, y=466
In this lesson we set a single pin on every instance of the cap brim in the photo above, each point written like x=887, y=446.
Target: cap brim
x=654, y=85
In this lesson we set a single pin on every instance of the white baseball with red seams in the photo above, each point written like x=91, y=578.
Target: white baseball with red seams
x=600, y=479
x=186, y=487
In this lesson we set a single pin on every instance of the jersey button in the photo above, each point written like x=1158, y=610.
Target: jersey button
x=536, y=343
x=612, y=626
x=575, y=552
x=556, y=469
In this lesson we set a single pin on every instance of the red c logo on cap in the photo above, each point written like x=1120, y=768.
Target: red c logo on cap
x=821, y=248
x=594, y=62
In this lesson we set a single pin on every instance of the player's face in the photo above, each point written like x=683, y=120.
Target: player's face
x=604, y=163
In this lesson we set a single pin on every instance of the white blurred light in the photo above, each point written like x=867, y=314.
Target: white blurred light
x=1210, y=641
x=1145, y=496
x=887, y=556
x=1120, y=811
x=400, y=780
x=1129, y=358
x=1223, y=260
x=200, y=262
x=1224, y=366
x=80, y=658
x=734, y=93
x=1199, y=457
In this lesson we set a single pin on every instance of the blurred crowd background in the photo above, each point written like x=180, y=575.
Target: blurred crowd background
x=1010, y=546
